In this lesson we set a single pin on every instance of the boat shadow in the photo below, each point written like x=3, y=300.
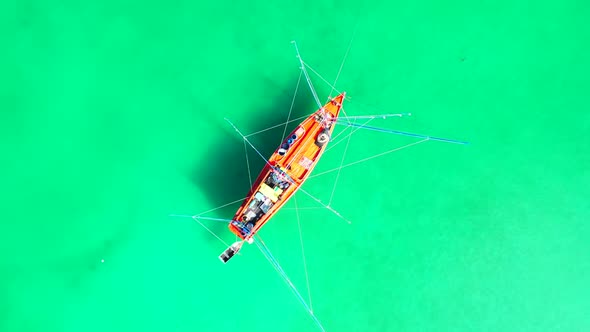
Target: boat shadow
x=224, y=175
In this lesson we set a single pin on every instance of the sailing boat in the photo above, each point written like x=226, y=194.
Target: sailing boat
x=290, y=166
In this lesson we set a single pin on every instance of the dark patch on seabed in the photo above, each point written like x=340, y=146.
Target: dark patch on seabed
x=224, y=175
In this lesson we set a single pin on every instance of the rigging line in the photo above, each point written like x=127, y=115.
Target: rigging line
x=292, y=103
x=248, y=141
x=340, y=133
x=321, y=77
x=303, y=254
x=370, y=117
x=273, y=168
x=212, y=233
x=225, y=221
x=325, y=81
x=248, y=163
x=268, y=255
x=313, y=92
x=275, y=261
x=260, y=243
x=328, y=83
x=324, y=205
x=277, y=266
x=344, y=59
x=368, y=158
x=197, y=219
x=349, y=134
x=222, y=206
x=368, y=106
x=275, y=126
x=180, y=215
x=285, y=278
x=249, y=173
x=375, y=116
x=338, y=174
x=403, y=133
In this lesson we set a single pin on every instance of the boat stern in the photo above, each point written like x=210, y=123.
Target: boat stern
x=239, y=229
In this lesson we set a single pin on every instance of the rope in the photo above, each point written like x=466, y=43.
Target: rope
x=338, y=175
x=212, y=233
x=268, y=255
x=369, y=158
x=292, y=103
x=403, y=133
x=328, y=83
x=249, y=172
x=248, y=141
x=248, y=163
x=349, y=134
x=303, y=254
x=275, y=126
x=375, y=116
x=222, y=206
x=344, y=59
x=321, y=77
x=225, y=221
x=313, y=92
x=324, y=205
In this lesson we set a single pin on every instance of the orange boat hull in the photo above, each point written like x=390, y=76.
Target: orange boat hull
x=286, y=170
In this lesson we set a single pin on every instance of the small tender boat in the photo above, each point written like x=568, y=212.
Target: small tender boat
x=285, y=171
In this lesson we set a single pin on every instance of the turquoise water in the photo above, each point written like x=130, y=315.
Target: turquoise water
x=112, y=119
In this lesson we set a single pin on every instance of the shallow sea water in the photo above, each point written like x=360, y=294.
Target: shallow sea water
x=112, y=118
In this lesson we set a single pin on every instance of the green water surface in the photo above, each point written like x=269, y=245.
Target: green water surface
x=111, y=118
